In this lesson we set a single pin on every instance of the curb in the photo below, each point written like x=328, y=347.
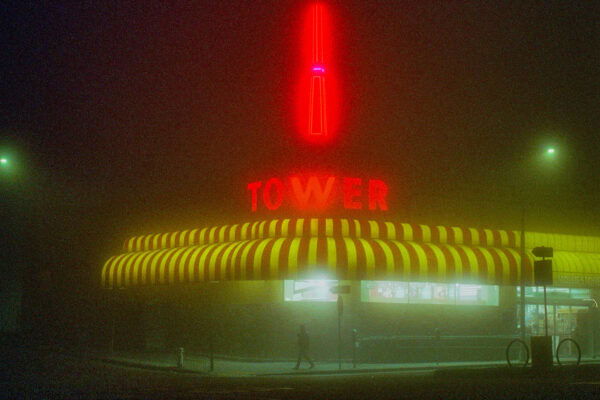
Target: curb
x=439, y=371
x=141, y=365
x=434, y=369
x=134, y=364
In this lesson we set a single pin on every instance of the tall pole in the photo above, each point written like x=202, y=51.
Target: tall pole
x=211, y=341
x=112, y=334
x=113, y=322
x=340, y=307
x=522, y=267
x=545, y=311
x=339, y=342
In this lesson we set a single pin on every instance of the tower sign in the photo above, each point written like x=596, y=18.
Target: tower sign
x=318, y=193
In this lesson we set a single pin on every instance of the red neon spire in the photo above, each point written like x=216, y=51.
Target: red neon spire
x=317, y=97
x=317, y=107
x=317, y=34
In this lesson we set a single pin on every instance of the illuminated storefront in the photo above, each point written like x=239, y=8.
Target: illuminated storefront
x=460, y=281
x=252, y=283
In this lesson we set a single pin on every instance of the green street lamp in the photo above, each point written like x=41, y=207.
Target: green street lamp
x=4, y=162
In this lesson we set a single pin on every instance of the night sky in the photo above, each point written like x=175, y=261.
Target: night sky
x=131, y=117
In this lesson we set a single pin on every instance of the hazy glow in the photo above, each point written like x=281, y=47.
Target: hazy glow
x=3, y=161
x=551, y=150
x=309, y=290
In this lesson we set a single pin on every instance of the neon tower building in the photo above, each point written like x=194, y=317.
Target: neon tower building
x=311, y=231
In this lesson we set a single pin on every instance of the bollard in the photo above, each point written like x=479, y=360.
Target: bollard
x=180, y=357
x=355, y=344
x=212, y=353
x=437, y=336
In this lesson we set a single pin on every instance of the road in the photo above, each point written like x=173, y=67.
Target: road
x=53, y=375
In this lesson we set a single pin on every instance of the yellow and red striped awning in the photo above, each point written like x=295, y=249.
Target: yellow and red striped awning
x=325, y=227
x=293, y=258
x=347, y=249
x=303, y=248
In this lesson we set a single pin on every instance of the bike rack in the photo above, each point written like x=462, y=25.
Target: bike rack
x=526, y=352
x=576, y=346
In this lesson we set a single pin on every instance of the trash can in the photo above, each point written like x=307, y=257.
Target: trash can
x=541, y=352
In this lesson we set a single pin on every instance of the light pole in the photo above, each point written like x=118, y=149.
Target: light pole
x=522, y=266
x=550, y=154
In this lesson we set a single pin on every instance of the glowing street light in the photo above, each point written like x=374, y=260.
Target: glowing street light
x=550, y=150
x=4, y=162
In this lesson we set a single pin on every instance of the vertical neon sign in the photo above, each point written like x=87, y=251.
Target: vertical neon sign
x=317, y=96
x=317, y=107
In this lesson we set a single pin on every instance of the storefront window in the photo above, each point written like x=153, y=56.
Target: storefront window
x=566, y=308
x=554, y=293
x=429, y=293
x=562, y=320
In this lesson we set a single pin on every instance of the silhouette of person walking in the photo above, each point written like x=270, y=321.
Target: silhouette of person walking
x=303, y=347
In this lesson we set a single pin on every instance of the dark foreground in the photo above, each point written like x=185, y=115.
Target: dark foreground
x=45, y=374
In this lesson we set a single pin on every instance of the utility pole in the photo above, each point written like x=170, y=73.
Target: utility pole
x=522, y=267
x=340, y=308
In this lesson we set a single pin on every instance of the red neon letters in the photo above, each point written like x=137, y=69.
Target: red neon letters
x=311, y=192
x=318, y=193
x=273, y=194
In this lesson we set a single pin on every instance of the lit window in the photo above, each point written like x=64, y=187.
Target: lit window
x=429, y=293
x=555, y=293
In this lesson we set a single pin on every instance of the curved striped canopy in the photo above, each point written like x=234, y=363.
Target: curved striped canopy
x=304, y=248
x=325, y=227
x=347, y=249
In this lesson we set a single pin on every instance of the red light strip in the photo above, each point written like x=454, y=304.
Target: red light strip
x=317, y=123
x=318, y=34
x=317, y=111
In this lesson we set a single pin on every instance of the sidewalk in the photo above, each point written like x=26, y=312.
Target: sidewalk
x=236, y=368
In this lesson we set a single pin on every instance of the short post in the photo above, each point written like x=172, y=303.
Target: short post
x=112, y=334
x=113, y=324
x=211, y=351
x=180, y=357
x=354, y=346
x=438, y=338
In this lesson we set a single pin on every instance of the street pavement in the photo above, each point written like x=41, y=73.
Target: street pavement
x=60, y=374
x=238, y=368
